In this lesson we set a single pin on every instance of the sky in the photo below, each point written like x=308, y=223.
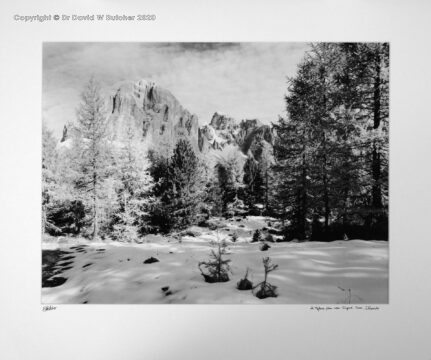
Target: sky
x=243, y=80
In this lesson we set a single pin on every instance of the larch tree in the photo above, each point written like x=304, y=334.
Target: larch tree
x=333, y=144
x=49, y=179
x=92, y=152
x=266, y=167
x=229, y=170
x=134, y=188
x=293, y=150
x=378, y=108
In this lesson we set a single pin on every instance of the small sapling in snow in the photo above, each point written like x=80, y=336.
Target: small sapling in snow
x=347, y=295
x=264, y=247
x=217, y=267
x=244, y=284
x=266, y=289
x=257, y=236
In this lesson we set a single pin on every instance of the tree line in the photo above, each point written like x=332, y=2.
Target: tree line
x=332, y=149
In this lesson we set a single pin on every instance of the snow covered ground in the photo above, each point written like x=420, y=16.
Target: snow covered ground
x=338, y=272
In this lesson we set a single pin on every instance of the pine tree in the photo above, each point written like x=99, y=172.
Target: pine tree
x=159, y=167
x=257, y=236
x=218, y=267
x=180, y=187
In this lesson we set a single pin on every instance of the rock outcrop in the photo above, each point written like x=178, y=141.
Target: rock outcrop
x=153, y=111
x=154, y=114
x=248, y=135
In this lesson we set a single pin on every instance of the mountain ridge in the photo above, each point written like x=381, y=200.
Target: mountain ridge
x=154, y=113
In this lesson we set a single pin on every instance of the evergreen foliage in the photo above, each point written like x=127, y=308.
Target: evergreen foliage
x=322, y=169
x=217, y=267
x=257, y=236
x=180, y=188
x=332, y=149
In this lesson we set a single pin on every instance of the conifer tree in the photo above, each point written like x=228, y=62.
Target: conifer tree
x=266, y=289
x=377, y=106
x=134, y=187
x=218, y=267
x=180, y=188
x=293, y=151
x=254, y=183
x=49, y=181
x=229, y=173
x=266, y=165
x=325, y=168
x=257, y=236
x=92, y=153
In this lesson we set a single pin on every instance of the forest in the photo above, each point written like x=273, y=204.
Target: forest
x=323, y=175
x=143, y=204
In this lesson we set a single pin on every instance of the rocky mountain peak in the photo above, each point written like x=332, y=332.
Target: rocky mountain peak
x=248, y=134
x=156, y=115
x=220, y=121
x=153, y=111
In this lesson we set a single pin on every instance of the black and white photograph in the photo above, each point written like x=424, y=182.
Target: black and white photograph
x=215, y=173
x=215, y=180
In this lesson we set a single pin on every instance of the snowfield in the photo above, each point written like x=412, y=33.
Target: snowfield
x=338, y=272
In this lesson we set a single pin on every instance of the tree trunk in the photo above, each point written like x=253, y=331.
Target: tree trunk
x=327, y=210
x=324, y=114
x=376, y=169
x=95, y=209
x=303, y=203
x=266, y=191
x=375, y=165
x=43, y=219
x=345, y=201
x=377, y=97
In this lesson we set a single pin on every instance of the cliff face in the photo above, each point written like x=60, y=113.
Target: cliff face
x=248, y=135
x=221, y=131
x=154, y=114
x=153, y=111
